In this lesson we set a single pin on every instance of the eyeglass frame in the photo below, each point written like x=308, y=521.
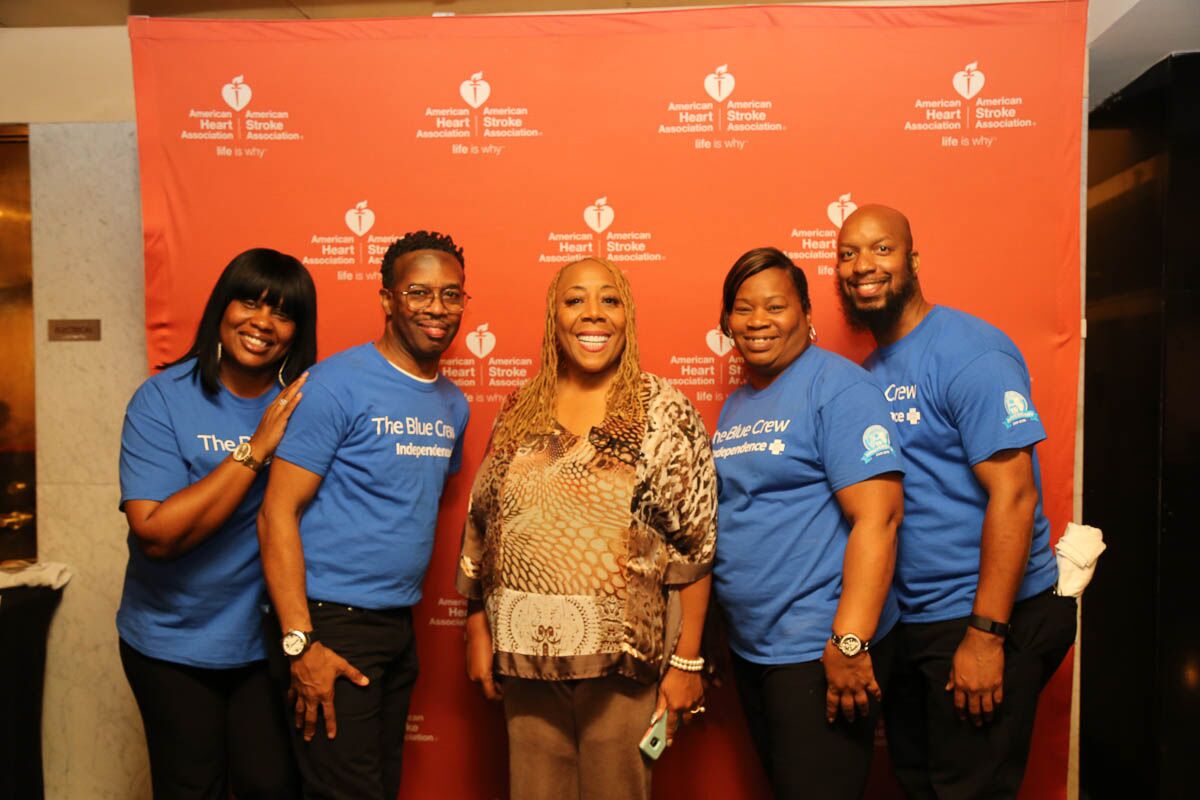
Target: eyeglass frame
x=440, y=294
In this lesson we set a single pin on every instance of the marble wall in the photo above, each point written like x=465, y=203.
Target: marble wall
x=87, y=264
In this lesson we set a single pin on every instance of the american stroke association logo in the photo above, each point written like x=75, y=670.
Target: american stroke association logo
x=968, y=81
x=599, y=215
x=476, y=126
x=877, y=443
x=839, y=209
x=356, y=254
x=360, y=219
x=239, y=131
x=599, y=239
x=818, y=243
x=481, y=341
x=964, y=116
x=721, y=119
x=1018, y=409
x=237, y=93
x=484, y=369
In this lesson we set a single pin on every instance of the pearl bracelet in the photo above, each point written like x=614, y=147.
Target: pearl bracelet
x=687, y=664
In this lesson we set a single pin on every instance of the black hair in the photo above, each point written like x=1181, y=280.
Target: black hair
x=750, y=264
x=417, y=240
x=278, y=280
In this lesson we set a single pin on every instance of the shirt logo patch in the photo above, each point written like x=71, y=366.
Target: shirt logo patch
x=1018, y=409
x=878, y=443
x=776, y=447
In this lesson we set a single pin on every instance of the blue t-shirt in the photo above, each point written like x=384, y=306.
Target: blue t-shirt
x=959, y=393
x=384, y=443
x=203, y=608
x=781, y=454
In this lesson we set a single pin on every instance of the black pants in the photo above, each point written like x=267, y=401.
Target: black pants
x=210, y=731
x=363, y=761
x=804, y=756
x=936, y=755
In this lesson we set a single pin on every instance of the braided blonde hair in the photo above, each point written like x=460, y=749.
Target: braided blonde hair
x=532, y=411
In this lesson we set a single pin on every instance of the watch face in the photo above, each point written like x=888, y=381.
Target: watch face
x=294, y=642
x=850, y=645
x=242, y=452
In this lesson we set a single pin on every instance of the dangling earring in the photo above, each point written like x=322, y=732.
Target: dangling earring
x=282, y=382
x=812, y=333
x=218, y=352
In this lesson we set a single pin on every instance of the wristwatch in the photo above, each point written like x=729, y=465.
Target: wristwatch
x=989, y=625
x=245, y=455
x=849, y=644
x=296, y=642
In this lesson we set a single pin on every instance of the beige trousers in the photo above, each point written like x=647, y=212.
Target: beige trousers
x=578, y=740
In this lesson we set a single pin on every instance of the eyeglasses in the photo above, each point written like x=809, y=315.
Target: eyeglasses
x=418, y=298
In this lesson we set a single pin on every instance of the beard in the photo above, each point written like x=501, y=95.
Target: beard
x=882, y=317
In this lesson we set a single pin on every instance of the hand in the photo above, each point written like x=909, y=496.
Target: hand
x=678, y=693
x=313, y=674
x=977, y=676
x=275, y=419
x=850, y=683
x=479, y=656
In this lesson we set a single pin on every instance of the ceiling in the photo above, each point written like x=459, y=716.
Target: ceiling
x=1125, y=37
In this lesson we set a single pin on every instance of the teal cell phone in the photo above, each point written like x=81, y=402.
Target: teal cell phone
x=655, y=740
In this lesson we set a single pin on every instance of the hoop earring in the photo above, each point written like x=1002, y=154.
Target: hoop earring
x=218, y=352
x=282, y=382
x=812, y=333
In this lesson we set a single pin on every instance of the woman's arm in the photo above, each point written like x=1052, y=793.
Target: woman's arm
x=680, y=691
x=169, y=528
x=874, y=508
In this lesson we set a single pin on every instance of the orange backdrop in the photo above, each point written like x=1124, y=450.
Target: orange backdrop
x=669, y=142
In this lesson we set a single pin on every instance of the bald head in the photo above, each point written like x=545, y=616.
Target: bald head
x=883, y=219
x=877, y=272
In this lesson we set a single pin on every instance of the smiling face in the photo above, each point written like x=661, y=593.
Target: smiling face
x=769, y=324
x=589, y=320
x=255, y=335
x=416, y=338
x=876, y=267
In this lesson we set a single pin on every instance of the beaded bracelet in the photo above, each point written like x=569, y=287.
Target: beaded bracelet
x=687, y=664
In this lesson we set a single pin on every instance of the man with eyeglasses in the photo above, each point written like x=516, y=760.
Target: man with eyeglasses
x=348, y=522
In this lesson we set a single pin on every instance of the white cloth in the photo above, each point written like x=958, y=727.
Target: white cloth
x=1077, y=550
x=40, y=573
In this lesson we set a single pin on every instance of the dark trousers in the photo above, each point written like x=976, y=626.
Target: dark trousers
x=363, y=761
x=210, y=731
x=936, y=755
x=804, y=756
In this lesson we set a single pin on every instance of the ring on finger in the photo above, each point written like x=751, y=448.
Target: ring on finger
x=283, y=401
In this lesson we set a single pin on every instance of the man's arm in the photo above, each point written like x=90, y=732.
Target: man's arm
x=289, y=490
x=977, y=673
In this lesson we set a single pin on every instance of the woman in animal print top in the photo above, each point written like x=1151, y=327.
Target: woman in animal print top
x=587, y=551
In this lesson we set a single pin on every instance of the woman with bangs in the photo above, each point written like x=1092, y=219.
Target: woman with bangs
x=196, y=439
x=587, y=552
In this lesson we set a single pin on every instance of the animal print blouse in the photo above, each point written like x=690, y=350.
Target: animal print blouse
x=575, y=542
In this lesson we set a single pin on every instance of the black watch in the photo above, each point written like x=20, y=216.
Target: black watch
x=989, y=625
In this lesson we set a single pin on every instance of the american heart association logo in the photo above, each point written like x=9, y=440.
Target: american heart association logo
x=719, y=83
x=718, y=342
x=236, y=93
x=969, y=80
x=599, y=215
x=360, y=218
x=475, y=90
x=481, y=341
x=839, y=209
